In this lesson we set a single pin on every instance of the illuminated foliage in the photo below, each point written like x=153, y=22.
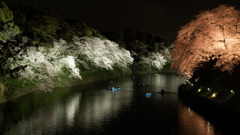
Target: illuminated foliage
x=46, y=64
x=43, y=58
x=7, y=28
x=12, y=43
x=149, y=51
x=101, y=53
x=213, y=35
x=156, y=60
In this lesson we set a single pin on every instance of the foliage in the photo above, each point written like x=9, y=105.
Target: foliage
x=43, y=25
x=6, y=15
x=213, y=34
x=44, y=65
x=148, y=51
x=101, y=53
x=41, y=57
x=12, y=43
x=43, y=28
x=7, y=28
x=156, y=60
x=39, y=24
x=9, y=51
x=82, y=30
x=50, y=49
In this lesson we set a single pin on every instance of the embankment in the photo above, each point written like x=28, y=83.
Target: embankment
x=87, y=77
x=212, y=104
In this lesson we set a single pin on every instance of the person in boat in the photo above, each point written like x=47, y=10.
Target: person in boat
x=162, y=91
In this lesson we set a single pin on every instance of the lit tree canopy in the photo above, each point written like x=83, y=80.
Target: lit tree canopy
x=7, y=28
x=214, y=34
x=65, y=59
x=156, y=60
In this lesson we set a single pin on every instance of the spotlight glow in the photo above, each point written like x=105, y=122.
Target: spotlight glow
x=199, y=90
x=214, y=95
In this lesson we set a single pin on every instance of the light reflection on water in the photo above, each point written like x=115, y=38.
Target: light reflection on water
x=157, y=82
x=71, y=108
x=191, y=123
x=91, y=109
x=85, y=110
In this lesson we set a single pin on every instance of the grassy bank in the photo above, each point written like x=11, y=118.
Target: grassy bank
x=16, y=89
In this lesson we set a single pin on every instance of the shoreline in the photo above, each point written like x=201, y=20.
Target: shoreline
x=88, y=78
x=210, y=108
x=155, y=72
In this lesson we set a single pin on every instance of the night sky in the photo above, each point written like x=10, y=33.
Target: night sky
x=163, y=18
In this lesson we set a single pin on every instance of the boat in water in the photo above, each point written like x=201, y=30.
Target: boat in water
x=148, y=94
x=162, y=91
x=113, y=88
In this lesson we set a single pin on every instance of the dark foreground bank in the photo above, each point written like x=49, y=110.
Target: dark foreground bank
x=219, y=107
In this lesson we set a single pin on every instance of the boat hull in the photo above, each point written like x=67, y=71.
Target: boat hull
x=116, y=89
x=148, y=94
x=108, y=88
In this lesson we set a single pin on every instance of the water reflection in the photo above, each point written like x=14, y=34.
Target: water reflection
x=71, y=108
x=157, y=82
x=87, y=109
x=99, y=109
x=191, y=123
x=91, y=109
x=48, y=119
x=160, y=81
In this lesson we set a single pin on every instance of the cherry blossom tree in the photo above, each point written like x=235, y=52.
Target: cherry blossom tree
x=101, y=53
x=46, y=64
x=22, y=60
x=41, y=67
x=213, y=34
x=153, y=59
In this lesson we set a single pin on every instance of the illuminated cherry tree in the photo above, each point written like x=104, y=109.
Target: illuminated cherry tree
x=42, y=66
x=46, y=64
x=21, y=59
x=101, y=53
x=153, y=59
x=214, y=34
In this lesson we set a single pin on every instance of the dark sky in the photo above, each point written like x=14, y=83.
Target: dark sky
x=160, y=17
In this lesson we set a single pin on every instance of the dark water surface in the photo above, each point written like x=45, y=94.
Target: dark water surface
x=90, y=109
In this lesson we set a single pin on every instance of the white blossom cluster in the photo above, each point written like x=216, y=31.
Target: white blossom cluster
x=102, y=53
x=157, y=60
x=46, y=63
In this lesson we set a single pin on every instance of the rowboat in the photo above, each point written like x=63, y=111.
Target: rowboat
x=148, y=94
x=113, y=88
